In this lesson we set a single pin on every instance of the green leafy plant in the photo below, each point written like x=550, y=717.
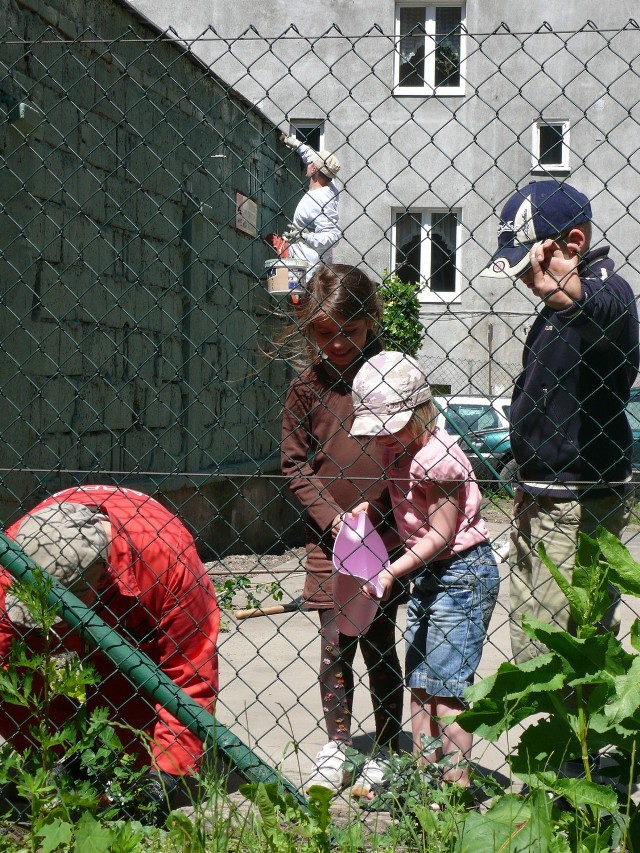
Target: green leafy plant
x=426, y=811
x=75, y=783
x=585, y=688
x=227, y=591
x=285, y=825
x=401, y=327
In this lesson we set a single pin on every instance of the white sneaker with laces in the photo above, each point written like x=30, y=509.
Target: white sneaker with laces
x=374, y=773
x=328, y=768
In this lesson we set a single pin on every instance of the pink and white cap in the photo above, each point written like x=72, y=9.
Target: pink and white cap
x=385, y=391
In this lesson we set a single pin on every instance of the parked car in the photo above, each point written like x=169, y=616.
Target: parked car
x=633, y=414
x=483, y=423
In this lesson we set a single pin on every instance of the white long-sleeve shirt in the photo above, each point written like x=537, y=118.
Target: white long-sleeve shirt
x=317, y=213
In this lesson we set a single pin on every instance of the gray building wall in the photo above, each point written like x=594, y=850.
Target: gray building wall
x=135, y=316
x=540, y=60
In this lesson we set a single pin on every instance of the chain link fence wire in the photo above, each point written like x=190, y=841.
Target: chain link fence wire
x=140, y=175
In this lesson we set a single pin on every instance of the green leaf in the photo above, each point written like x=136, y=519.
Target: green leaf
x=489, y=719
x=591, y=574
x=511, y=825
x=547, y=743
x=426, y=817
x=91, y=836
x=623, y=569
x=54, y=834
x=582, y=792
x=582, y=657
x=500, y=701
x=627, y=695
x=559, y=844
x=577, y=597
x=265, y=797
x=320, y=799
x=634, y=635
x=516, y=681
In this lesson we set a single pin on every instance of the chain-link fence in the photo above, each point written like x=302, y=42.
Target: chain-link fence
x=140, y=177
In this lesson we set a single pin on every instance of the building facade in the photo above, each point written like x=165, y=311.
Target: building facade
x=437, y=112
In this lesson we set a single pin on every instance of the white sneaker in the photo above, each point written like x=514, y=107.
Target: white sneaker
x=374, y=773
x=328, y=768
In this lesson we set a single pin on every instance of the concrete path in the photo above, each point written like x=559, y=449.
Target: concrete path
x=269, y=693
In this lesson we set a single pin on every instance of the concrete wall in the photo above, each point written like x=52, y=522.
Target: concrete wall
x=135, y=315
x=542, y=59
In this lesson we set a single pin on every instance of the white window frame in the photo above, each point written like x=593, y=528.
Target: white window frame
x=425, y=294
x=429, y=87
x=307, y=124
x=564, y=166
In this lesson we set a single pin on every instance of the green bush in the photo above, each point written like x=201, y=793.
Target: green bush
x=402, y=329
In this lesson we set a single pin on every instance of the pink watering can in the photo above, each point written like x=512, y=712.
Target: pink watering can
x=359, y=555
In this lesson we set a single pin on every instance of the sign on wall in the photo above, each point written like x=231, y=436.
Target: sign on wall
x=246, y=215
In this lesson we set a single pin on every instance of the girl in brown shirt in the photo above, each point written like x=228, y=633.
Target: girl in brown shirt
x=329, y=472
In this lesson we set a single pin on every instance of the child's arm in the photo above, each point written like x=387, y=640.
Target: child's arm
x=298, y=446
x=442, y=518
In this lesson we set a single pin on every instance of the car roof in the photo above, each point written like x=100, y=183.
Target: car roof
x=474, y=399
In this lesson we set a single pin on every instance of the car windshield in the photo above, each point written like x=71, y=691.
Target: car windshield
x=467, y=417
x=633, y=412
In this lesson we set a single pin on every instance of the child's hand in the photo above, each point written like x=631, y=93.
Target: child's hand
x=553, y=274
x=363, y=507
x=335, y=525
x=337, y=521
x=386, y=581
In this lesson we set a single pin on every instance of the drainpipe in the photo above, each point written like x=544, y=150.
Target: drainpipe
x=490, y=346
x=144, y=673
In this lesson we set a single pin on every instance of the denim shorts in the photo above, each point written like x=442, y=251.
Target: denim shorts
x=448, y=615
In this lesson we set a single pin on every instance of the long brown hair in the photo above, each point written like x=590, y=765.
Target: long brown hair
x=335, y=290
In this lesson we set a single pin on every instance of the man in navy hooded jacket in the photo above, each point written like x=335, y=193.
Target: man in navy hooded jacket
x=570, y=436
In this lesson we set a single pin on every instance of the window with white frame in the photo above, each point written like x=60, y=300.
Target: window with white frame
x=429, y=48
x=426, y=249
x=309, y=131
x=551, y=146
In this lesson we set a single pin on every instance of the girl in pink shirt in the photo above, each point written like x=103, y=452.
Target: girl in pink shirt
x=436, y=507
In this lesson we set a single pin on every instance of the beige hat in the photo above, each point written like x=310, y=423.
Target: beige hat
x=326, y=163
x=68, y=541
x=386, y=390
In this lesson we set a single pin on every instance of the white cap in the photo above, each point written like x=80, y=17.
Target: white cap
x=326, y=163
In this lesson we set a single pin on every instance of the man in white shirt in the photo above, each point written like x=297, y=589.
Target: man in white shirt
x=314, y=229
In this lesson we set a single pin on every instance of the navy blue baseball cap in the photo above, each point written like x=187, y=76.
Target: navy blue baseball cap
x=536, y=212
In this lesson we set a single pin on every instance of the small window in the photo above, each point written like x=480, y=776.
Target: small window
x=255, y=184
x=311, y=132
x=551, y=146
x=426, y=248
x=429, y=48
